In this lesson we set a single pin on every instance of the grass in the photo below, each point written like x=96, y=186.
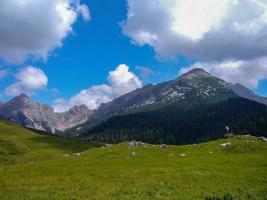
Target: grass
x=35, y=166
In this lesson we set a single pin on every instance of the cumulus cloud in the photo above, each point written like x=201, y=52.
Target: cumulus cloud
x=28, y=80
x=248, y=73
x=34, y=28
x=120, y=81
x=210, y=30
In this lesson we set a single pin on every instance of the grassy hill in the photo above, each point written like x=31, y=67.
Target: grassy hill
x=34, y=166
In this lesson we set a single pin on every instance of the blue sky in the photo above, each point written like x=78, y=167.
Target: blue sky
x=96, y=47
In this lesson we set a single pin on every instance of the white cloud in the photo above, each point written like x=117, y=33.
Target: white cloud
x=120, y=81
x=28, y=80
x=3, y=74
x=210, y=30
x=248, y=73
x=83, y=9
x=34, y=28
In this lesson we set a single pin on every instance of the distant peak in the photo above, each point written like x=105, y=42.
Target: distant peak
x=23, y=96
x=79, y=108
x=195, y=73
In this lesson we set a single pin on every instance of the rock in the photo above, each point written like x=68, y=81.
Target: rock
x=134, y=144
x=108, y=145
x=77, y=154
x=163, y=146
x=225, y=144
x=250, y=141
x=211, y=152
x=182, y=154
x=263, y=139
x=133, y=154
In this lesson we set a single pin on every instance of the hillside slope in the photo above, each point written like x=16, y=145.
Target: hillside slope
x=20, y=145
x=35, y=167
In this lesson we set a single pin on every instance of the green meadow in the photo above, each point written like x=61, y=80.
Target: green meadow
x=36, y=166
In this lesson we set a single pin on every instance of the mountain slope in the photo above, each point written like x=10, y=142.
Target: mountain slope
x=28, y=113
x=244, y=92
x=189, y=88
x=174, y=125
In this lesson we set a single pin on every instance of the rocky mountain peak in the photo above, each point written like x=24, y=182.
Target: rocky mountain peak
x=21, y=99
x=28, y=113
x=194, y=73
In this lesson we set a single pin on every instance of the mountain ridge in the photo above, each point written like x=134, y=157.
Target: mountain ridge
x=244, y=92
x=28, y=113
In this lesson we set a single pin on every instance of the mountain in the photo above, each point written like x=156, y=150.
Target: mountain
x=193, y=108
x=244, y=92
x=188, y=89
x=28, y=113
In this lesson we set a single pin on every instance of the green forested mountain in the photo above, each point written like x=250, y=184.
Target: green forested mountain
x=174, y=125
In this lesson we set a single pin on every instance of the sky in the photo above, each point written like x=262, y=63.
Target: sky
x=70, y=52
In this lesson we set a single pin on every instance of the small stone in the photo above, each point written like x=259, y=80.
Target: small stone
x=133, y=154
x=77, y=154
x=182, y=154
x=225, y=144
x=134, y=144
x=163, y=146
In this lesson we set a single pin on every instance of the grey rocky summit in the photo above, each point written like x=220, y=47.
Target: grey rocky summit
x=28, y=113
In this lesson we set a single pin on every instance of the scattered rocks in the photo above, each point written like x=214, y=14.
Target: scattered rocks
x=242, y=136
x=163, y=146
x=263, y=139
x=227, y=144
x=182, y=154
x=134, y=144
